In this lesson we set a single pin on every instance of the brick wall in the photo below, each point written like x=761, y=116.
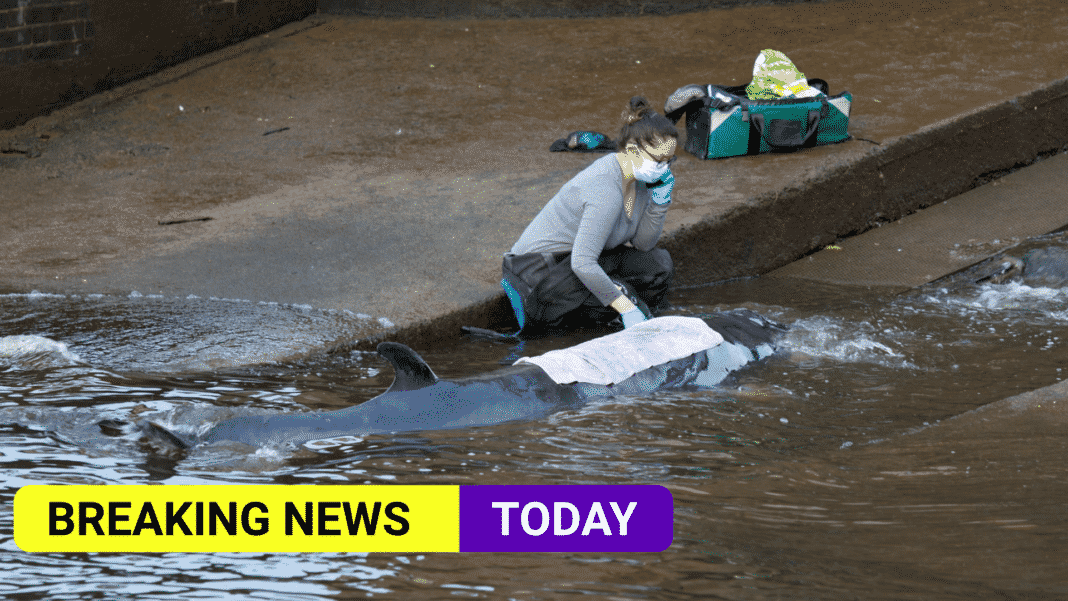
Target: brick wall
x=511, y=9
x=44, y=30
x=55, y=52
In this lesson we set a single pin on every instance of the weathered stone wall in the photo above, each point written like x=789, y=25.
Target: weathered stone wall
x=44, y=31
x=512, y=9
x=54, y=52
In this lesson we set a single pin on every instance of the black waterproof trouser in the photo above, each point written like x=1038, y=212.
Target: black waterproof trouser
x=546, y=294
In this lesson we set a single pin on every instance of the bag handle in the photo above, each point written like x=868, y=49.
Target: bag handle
x=778, y=139
x=719, y=99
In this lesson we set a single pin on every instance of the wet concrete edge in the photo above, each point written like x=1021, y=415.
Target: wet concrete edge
x=895, y=178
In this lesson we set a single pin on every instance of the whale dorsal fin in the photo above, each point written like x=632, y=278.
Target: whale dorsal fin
x=412, y=373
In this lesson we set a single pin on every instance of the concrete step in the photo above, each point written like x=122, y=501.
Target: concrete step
x=949, y=236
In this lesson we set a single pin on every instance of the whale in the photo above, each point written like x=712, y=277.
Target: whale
x=660, y=353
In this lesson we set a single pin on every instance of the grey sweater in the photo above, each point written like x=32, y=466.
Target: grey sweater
x=587, y=217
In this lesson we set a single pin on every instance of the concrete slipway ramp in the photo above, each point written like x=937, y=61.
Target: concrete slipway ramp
x=336, y=163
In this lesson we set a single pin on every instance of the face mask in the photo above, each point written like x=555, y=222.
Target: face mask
x=650, y=171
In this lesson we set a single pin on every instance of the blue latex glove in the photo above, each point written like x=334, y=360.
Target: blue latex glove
x=632, y=317
x=661, y=189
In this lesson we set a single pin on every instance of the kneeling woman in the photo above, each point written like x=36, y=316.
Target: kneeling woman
x=572, y=266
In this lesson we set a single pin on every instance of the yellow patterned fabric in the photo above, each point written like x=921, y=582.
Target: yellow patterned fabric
x=775, y=76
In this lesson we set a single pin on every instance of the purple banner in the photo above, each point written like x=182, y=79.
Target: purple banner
x=581, y=518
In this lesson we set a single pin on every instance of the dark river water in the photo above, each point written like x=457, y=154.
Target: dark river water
x=830, y=471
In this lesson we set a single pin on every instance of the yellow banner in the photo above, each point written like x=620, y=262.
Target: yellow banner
x=234, y=518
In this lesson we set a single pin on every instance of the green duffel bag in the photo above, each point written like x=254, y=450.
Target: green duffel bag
x=721, y=121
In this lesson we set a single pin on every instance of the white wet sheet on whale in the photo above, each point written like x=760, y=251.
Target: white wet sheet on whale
x=613, y=358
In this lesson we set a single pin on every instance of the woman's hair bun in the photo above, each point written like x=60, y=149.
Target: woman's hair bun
x=642, y=124
x=637, y=108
